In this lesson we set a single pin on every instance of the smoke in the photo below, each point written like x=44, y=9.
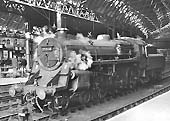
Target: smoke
x=83, y=59
x=80, y=37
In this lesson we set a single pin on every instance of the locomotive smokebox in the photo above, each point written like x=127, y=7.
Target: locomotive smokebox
x=61, y=33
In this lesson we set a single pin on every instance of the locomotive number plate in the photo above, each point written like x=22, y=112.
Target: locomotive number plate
x=47, y=48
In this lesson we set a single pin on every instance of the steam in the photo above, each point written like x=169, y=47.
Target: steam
x=81, y=61
x=81, y=38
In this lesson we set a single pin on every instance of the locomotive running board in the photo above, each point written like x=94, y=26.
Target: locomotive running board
x=115, y=61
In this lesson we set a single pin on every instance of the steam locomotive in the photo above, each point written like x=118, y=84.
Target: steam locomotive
x=79, y=69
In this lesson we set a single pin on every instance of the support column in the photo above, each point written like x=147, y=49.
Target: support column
x=113, y=29
x=130, y=31
x=28, y=37
x=59, y=20
x=113, y=32
x=28, y=54
x=122, y=30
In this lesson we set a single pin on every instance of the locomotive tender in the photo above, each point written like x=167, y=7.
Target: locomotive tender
x=78, y=69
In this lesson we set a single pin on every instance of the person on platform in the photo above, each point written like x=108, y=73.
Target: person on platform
x=22, y=64
x=14, y=66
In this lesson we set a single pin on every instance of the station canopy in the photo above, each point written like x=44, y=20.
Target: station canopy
x=150, y=17
x=11, y=21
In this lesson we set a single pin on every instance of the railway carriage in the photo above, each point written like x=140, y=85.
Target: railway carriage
x=78, y=69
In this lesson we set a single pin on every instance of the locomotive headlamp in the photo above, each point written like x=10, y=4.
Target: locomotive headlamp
x=12, y=91
x=41, y=93
x=73, y=75
x=15, y=89
x=118, y=49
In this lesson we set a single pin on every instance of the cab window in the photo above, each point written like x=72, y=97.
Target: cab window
x=151, y=50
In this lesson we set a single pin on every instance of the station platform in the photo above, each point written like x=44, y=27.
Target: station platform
x=6, y=81
x=156, y=109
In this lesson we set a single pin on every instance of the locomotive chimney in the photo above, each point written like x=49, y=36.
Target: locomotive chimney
x=61, y=33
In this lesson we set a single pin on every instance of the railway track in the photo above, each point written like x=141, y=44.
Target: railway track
x=8, y=103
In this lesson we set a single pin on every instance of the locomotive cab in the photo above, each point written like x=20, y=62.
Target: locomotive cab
x=150, y=49
x=155, y=61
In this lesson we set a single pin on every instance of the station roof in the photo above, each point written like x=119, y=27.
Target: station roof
x=13, y=21
x=151, y=17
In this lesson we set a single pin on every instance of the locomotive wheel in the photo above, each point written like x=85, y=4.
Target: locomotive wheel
x=95, y=95
x=158, y=75
x=131, y=79
x=65, y=103
x=102, y=94
x=123, y=80
x=61, y=103
x=84, y=97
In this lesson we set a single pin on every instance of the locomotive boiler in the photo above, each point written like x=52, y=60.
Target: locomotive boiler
x=78, y=69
